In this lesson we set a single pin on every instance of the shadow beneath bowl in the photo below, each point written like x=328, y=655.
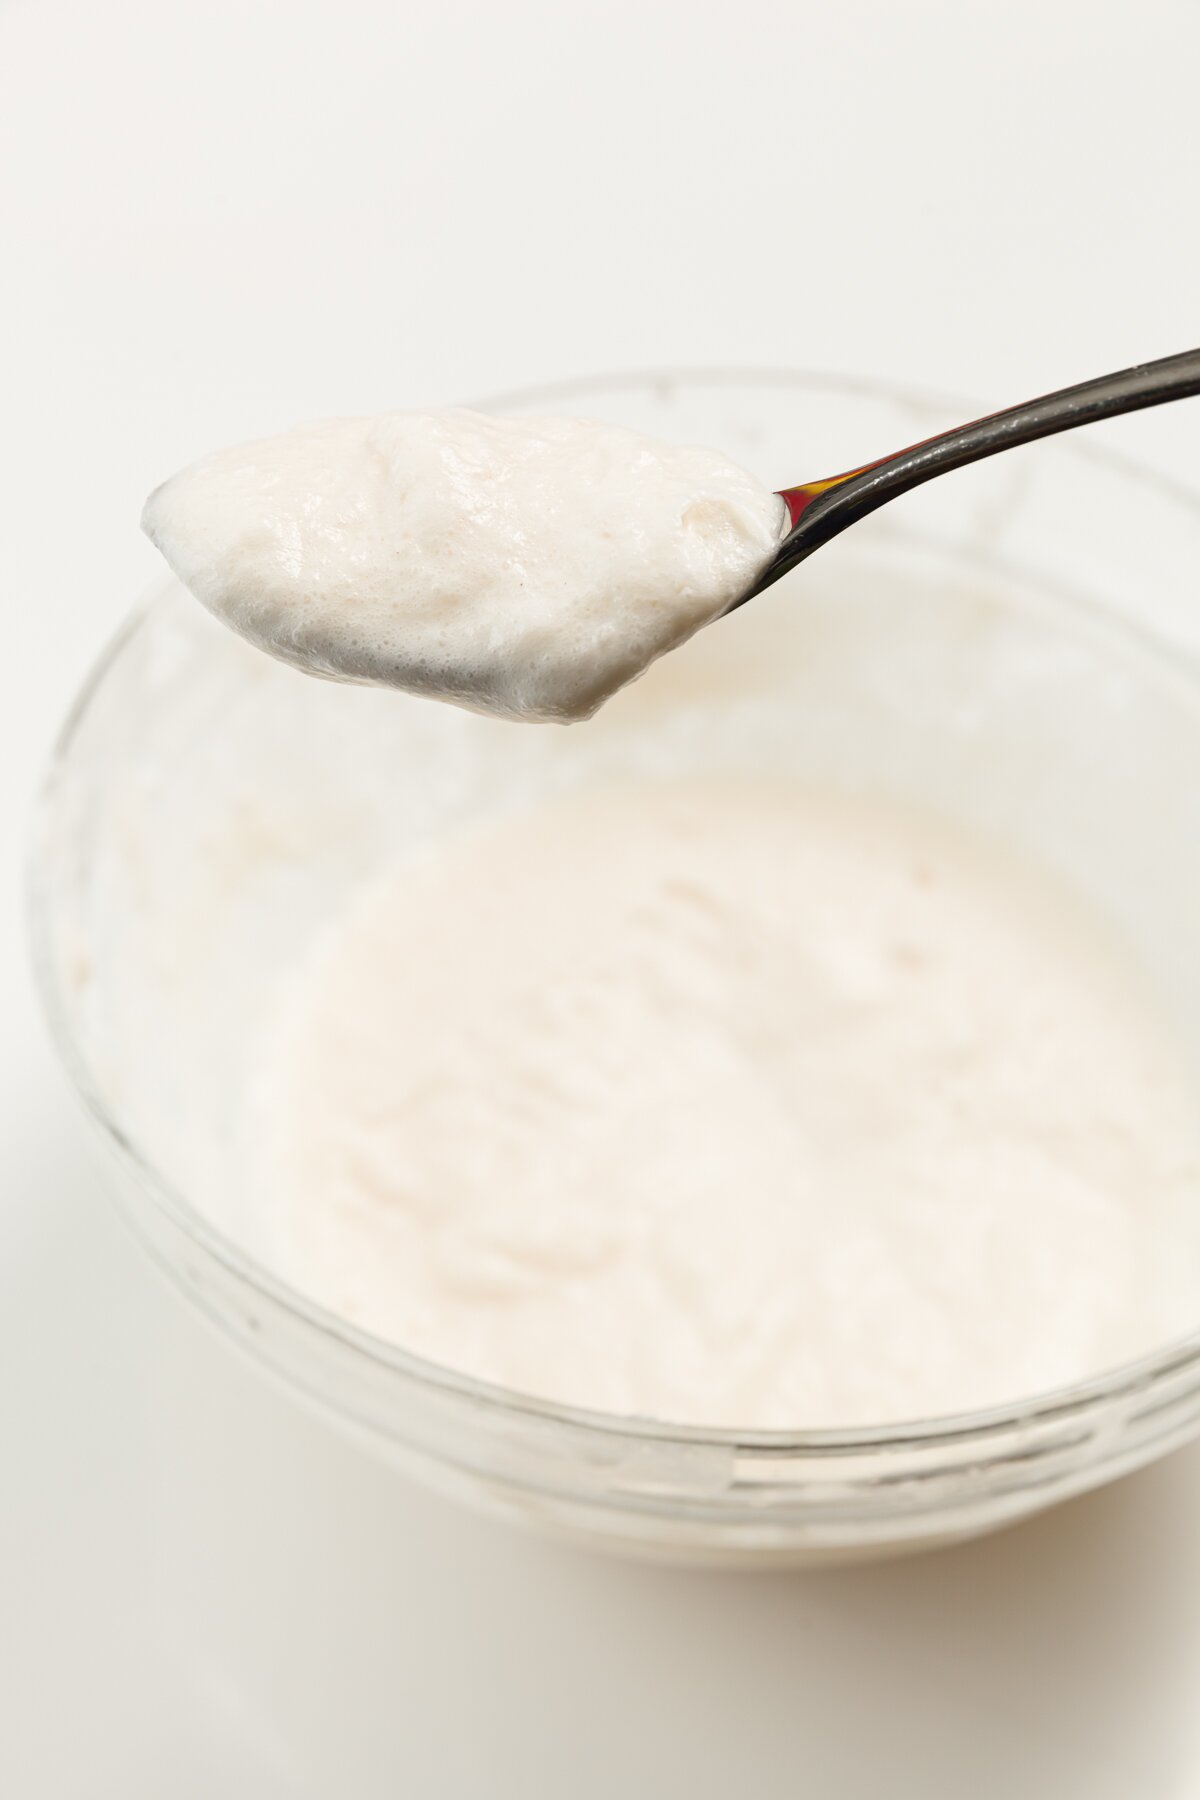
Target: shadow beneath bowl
x=394, y=1637
x=272, y=1599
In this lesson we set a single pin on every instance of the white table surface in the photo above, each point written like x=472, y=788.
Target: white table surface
x=217, y=219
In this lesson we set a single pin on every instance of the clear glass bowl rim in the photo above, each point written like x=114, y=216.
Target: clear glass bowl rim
x=1126, y=1379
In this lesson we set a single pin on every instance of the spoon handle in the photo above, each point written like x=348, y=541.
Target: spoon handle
x=821, y=509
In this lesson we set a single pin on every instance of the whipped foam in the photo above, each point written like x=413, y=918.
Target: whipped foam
x=527, y=567
x=725, y=1102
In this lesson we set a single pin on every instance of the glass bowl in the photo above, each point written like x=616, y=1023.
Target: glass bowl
x=1012, y=645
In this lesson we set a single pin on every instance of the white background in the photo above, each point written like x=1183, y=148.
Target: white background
x=219, y=218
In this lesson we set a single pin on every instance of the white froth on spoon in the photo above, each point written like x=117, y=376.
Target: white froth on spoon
x=524, y=567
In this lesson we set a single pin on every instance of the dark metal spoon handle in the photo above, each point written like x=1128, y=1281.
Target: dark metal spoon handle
x=821, y=509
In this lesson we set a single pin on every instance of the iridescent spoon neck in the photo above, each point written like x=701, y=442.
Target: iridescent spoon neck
x=821, y=510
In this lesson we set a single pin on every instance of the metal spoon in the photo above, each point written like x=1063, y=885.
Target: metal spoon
x=819, y=510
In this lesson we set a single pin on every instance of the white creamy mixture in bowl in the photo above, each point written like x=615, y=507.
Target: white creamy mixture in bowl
x=760, y=1124
x=726, y=1102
